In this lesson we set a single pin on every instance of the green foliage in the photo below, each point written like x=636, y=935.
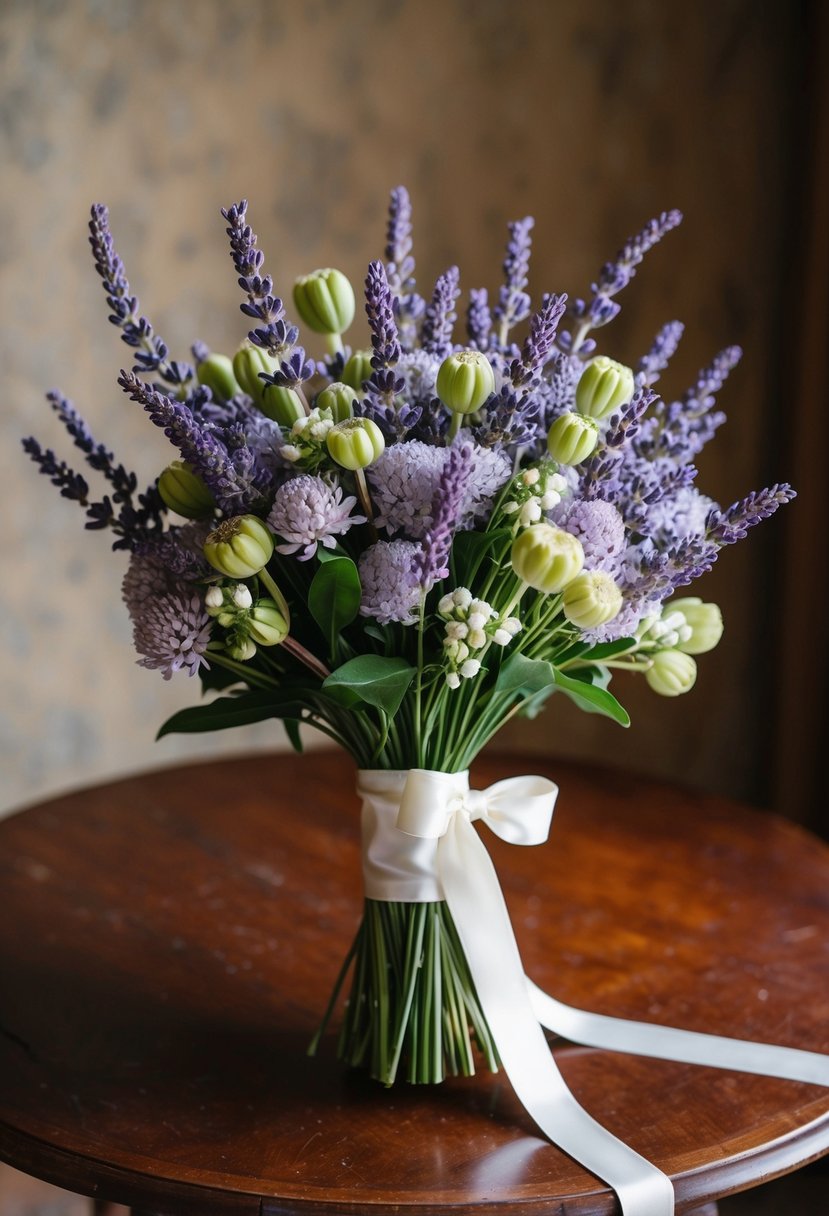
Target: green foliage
x=371, y=679
x=334, y=597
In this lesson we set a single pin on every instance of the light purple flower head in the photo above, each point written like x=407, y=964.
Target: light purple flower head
x=599, y=527
x=308, y=511
x=171, y=632
x=389, y=593
x=679, y=516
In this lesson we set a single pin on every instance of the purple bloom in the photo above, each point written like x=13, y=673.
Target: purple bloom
x=308, y=511
x=732, y=524
x=385, y=576
x=400, y=264
x=526, y=371
x=599, y=527
x=439, y=321
x=661, y=352
x=513, y=302
x=403, y=485
x=275, y=334
x=479, y=319
x=431, y=562
x=172, y=632
x=678, y=516
x=381, y=322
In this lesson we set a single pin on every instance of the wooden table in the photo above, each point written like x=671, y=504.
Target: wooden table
x=167, y=944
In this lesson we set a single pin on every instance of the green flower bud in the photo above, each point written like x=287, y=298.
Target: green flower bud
x=704, y=621
x=357, y=369
x=547, y=558
x=355, y=444
x=671, y=673
x=248, y=362
x=216, y=373
x=338, y=399
x=603, y=387
x=465, y=380
x=184, y=492
x=266, y=624
x=572, y=438
x=241, y=649
x=239, y=547
x=591, y=599
x=325, y=301
x=282, y=405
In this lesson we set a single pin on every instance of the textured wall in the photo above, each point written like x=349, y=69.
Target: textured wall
x=590, y=117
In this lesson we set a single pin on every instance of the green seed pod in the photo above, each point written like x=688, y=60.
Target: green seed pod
x=282, y=405
x=325, y=301
x=184, y=492
x=357, y=369
x=355, y=444
x=704, y=621
x=671, y=673
x=572, y=438
x=216, y=373
x=241, y=649
x=266, y=624
x=465, y=380
x=248, y=362
x=239, y=547
x=547, y=558
x=591, y=599
x=338, y=399
x=603, y=387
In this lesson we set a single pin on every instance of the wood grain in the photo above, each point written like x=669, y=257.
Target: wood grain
x=169, y=940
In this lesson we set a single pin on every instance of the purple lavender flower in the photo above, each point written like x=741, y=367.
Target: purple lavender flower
x=513, y=302
x=676, y=517
x=599, y=527
x=732, y=524
x=439, y=320
x=617, y=274
x=275, y=334
x=381, y=322
x=525, y=372
x=237, y=481
x=385, y=576
x=307, y=511
x=400, y=264
x=137, y=331
x=479, y=319
x=664, y=345
x=431, y=562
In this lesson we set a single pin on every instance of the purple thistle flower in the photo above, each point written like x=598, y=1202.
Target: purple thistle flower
x=732, y=524
x=308, y=511
x=513, y=302
x=479, y=319
x=599, y=527
x=388, y=594
x=661, y=352
x=436, y=335
x=237, y=481
x=431, y=562
x=172, y=633
x=384, y=338
x=137, y=331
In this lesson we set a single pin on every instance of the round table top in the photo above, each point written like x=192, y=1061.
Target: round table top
x=169, y=942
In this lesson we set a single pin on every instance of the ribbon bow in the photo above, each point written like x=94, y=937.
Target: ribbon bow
x=419, y=845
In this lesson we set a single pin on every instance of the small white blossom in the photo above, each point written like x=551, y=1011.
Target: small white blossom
x=509, y=508
x=549, y=500
x=241, y=596
x=501, y=638
x=456, y=630
x=445, y=604
x=477, y=620
x=290, y=452
x=453, y=680
x=476, y=638
x=462, y=597
x=213, y=597
x=470, y=669
x=530, y=513
x=530, y=477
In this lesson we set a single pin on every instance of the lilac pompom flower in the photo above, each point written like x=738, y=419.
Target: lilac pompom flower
x=308, y=511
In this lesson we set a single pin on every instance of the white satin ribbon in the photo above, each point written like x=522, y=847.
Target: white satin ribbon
x=419, y=846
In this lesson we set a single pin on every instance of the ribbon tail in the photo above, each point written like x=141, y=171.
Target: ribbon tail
x=476, y=902
x=681, y=1046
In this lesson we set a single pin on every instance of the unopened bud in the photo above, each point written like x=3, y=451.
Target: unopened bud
x=266, y=624
x=704, y=621
x=241, y=649
x=671, y=673
x=572, y=438
x=338, y=399
x=465, y=380
x=547, y=558
x=604, y=386
x=325, y=301
x=357, y=369
x=355, y=444
x=216, y=373
x=248, y=362
x=591, y=599
x=184, y=492
x=240, y=547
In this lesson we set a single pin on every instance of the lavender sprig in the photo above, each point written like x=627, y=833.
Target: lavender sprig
x=97, y=456
x=237, y=482
x=430, y=563
x=525, y=372
x=276, y=334
x=732, y=524
x=513, y=302
x=479, y=319
x=399, y=262
x=137, y=331
x=652, y=364
x=71, y=484
x=439, y=321
x=384, y=337
x=685, y=427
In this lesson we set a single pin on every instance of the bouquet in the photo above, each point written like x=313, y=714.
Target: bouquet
x=406, y=542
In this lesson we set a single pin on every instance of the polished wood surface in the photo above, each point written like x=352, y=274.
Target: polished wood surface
x=168, y=943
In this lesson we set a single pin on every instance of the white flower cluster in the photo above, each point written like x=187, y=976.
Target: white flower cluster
x=307, y=440
x=470, y=626
x=534, y=492
x=665, y=631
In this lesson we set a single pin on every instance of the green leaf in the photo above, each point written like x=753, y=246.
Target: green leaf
x=292, y=731
x=591, y=697
x=468, y=551
x=373, y=680
x=226, y=712
x=334, y=597
x=606, y=650
x=522, y=675
x=216, y=678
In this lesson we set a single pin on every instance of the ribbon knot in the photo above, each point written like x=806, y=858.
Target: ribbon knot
x=518, y=809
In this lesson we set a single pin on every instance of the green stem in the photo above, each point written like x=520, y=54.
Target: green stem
x=249, y=675
x=418, y=724
x=279, y=598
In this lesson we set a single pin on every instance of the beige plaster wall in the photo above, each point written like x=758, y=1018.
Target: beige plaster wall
x=592, y=117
